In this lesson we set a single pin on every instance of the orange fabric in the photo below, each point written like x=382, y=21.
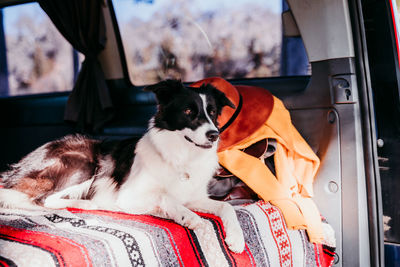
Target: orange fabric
x=256, y=108
x=295, y=164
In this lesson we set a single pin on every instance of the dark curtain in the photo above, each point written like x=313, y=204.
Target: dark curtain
x=81, y=22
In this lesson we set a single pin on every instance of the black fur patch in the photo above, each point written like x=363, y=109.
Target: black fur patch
x=122, y=152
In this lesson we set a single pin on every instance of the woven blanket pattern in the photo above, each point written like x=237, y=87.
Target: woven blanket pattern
x=74, y=237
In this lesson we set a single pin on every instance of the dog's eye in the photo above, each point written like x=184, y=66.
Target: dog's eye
x=211, y=111
x=188, y=111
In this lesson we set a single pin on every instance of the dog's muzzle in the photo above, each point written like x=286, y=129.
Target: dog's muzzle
x=212, y=136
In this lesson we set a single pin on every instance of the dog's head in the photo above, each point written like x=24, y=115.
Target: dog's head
x=192, y=111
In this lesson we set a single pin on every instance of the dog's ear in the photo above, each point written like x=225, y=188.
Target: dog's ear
x=165, y=90
x=220, y=97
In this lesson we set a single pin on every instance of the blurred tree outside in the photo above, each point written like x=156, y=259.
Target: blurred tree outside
x=39, y=59
x=187, y=40
x=181, y=42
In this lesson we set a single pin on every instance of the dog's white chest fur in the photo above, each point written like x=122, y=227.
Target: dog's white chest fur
x=164, y=165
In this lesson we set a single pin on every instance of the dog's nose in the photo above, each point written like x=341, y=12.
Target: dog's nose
x=212, y=135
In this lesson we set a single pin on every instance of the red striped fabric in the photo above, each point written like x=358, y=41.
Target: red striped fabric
x=190, y=252
x=179, y=236
x=77, y=237
x=66, y=251
x=236, y=259
x=279, y=233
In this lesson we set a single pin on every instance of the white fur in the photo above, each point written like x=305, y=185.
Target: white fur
x=158, y=184
x=104, y=186
x=74, y=194
x=204, y=102
x=12, y=199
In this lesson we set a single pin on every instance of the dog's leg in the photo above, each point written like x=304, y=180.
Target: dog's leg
x=234, y=234
x=12, y=199
x=169, y=208
x=74, y=193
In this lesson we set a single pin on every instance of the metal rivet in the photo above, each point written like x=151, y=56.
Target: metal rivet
x=341, y=83
x=333, y=187
x=331, y=116
x=380, y=142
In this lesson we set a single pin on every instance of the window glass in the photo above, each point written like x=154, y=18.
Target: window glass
x=38, y=57
x=194, y=39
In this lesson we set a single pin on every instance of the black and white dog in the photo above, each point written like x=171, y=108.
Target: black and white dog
x=165, y=174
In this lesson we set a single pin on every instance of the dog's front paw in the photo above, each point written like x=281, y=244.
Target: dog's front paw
x=191, y=221
x=235, y=241
x=234, y=234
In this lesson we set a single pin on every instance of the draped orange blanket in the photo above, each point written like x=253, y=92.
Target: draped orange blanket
x=259, y=115
x=295, y=163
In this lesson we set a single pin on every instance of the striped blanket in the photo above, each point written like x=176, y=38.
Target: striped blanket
x=75, y=237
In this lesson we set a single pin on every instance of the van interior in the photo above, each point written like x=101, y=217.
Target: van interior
x=337, y=106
